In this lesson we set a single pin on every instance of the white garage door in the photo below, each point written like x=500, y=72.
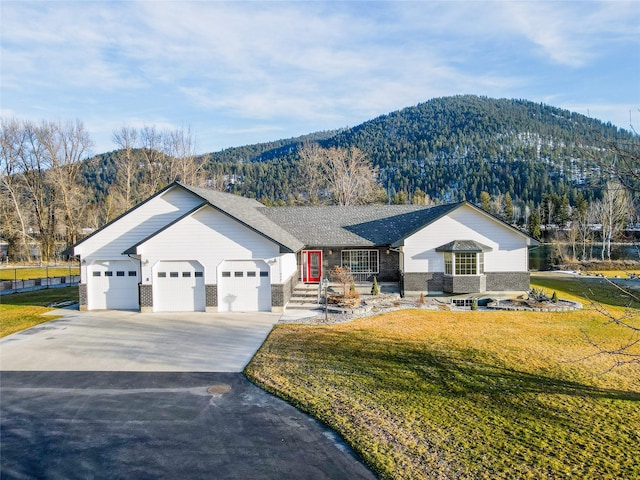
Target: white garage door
x=178, y=287
x=244, y=286
x=113, y=285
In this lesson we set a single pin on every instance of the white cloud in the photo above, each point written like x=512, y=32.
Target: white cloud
x=286, y=64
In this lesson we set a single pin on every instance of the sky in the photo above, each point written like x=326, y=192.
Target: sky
x=244, y=72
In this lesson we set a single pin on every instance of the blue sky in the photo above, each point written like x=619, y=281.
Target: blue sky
x=246, y=72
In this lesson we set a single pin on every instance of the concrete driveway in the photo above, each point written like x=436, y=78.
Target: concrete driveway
x=131, y=341
x=129, y=395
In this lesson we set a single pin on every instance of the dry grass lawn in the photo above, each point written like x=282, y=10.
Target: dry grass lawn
x=20, y=311
x=437, y=394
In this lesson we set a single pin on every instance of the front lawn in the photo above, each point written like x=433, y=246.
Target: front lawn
x=436, y=394
x=28, y=273
x=19, y=311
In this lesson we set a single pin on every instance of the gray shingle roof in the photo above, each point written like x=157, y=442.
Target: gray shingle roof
x=358, y=226
x=469, y=246
x=247, y=211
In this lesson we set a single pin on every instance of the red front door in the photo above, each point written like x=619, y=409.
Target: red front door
x=313, y=266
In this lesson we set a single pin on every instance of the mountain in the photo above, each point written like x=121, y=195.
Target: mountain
x=451, y=148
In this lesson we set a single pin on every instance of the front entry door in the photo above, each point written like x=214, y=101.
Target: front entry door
x=313, y=270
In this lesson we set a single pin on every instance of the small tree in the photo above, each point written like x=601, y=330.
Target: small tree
x=375, y=289
x=343, y=276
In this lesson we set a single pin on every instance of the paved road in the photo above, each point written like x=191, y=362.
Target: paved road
x=80, y=420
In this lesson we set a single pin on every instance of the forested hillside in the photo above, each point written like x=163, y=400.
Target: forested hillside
x=528, y=163
x=450, y=148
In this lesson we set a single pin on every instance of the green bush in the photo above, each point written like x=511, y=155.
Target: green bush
x=375, y=289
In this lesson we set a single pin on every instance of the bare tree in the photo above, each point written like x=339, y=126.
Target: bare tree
x=66, y=145
x=312, y=171
x=626, y=168
x=127, y=166
x=346, y=176
x=14, y=209
x=612, y=213
x=184, y=165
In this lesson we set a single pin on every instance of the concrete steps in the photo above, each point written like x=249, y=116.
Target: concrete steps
x=305, y=297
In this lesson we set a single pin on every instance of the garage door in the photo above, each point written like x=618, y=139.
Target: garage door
x=244, y=286
x=113, y=285
x=178, y=287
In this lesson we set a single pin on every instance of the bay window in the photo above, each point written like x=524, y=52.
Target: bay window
x=463, y=257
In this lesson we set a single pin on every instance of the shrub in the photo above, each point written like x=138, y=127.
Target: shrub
x=474, y=304
x=375, y=289
x=343, y=276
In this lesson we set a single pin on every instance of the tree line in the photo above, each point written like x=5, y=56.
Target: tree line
x=537, y=167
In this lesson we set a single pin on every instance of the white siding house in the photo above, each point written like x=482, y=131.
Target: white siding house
x=193, y=249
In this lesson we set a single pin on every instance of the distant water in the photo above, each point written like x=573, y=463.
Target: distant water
x=540, y=257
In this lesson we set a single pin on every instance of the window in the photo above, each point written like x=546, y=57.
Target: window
x=96, y=274
x=199, y=274
x=251, y=274
x=360, y=261
x=132, y=273
x=120, y=273
x=162, y=274
x=186, y=274
x=264, y=273
x=226, y=274
x=448, y=263
x=108, y=274
x=238, y=274
x=173, y=274
x=463, y=263
x=466, y=264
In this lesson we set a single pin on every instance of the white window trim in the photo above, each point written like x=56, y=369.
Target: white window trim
x=479, y=257
x=354, y=252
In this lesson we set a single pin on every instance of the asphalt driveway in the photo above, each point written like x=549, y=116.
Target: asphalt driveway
x=128, y=395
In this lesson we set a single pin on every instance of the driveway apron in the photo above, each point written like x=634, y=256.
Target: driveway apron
x=82, y=420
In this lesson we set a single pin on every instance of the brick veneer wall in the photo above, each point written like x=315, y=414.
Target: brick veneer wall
x=465, y=283
x=508, y=281
x=434, y=282
x=82, y=296
x=388, y=263
x=146, y=297
x=211, y=295
x=281, y=292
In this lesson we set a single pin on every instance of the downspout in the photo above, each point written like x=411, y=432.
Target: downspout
x=130, y=255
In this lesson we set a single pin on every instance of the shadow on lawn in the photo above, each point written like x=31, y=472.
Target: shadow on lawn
x=454, y=372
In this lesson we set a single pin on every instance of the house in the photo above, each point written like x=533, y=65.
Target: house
x=193, y=249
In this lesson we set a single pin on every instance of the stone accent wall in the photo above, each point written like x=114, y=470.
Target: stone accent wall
x=211, y=295
x=146, y=298
x=388, y=263
x=281, y=292
x=465, y=283
x=425, y=282
x=82, y=296
x=508, y=281
x=435, y=282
